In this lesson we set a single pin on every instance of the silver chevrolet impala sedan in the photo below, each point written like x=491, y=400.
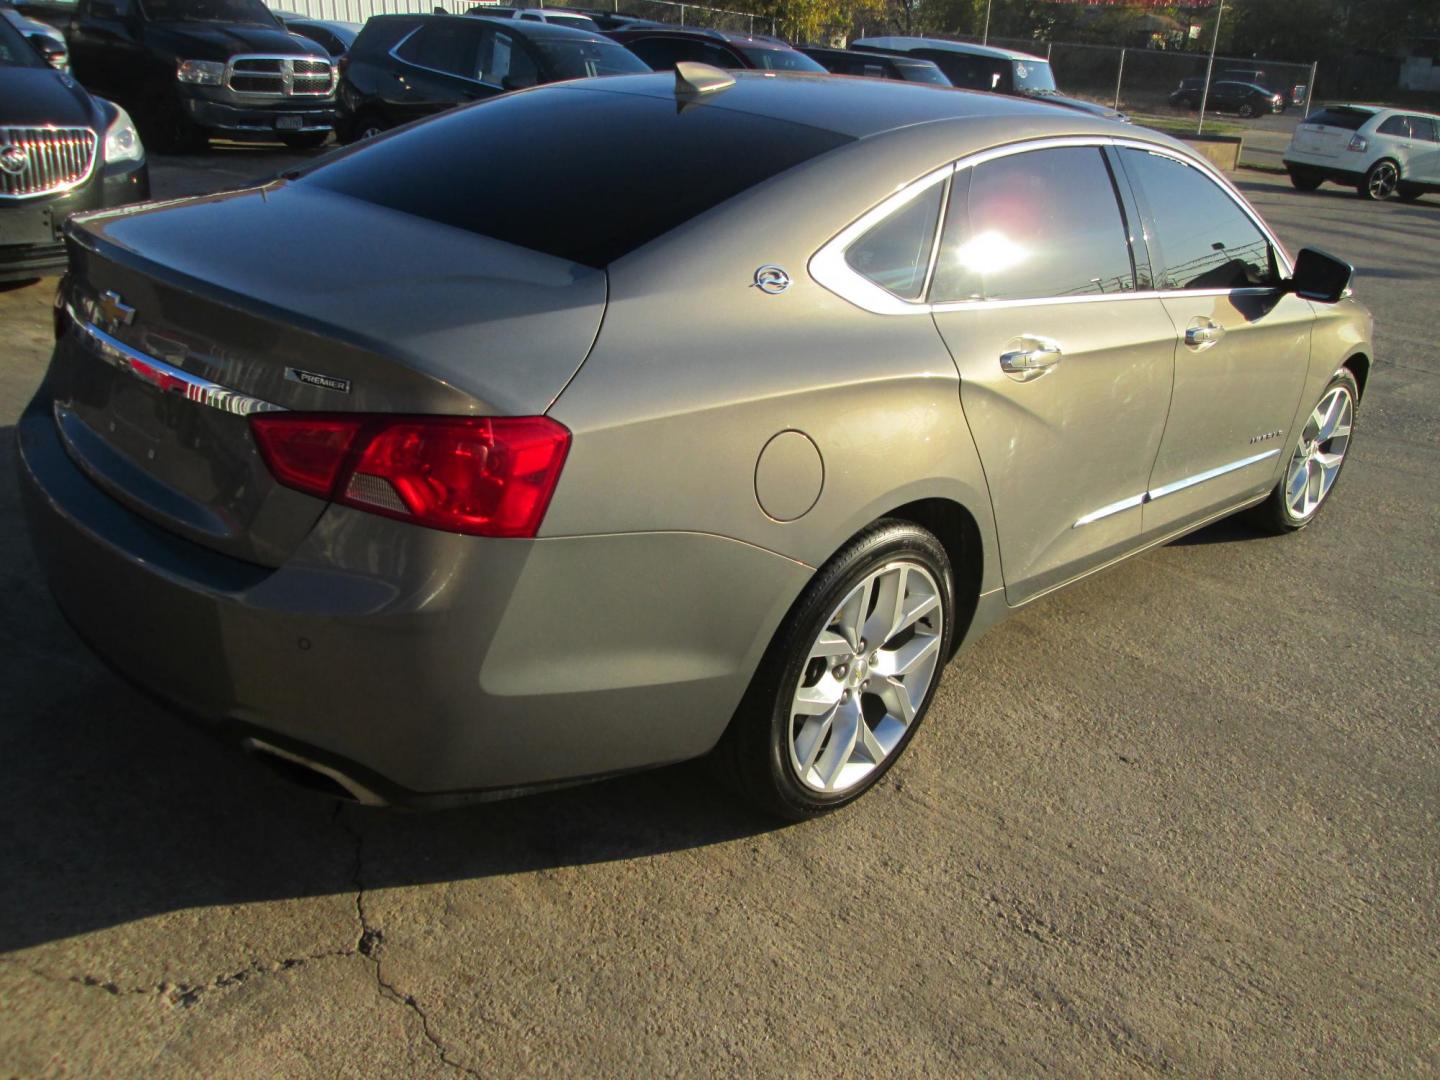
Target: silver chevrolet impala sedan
x=626, y=421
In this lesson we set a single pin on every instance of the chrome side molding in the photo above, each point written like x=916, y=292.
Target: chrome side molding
x=1171, y=488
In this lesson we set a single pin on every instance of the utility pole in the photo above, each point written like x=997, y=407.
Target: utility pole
x=985, y=40
x=1210, y=69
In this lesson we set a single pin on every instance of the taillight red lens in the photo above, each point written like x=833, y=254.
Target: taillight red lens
x=305, y=452
x=487, y=476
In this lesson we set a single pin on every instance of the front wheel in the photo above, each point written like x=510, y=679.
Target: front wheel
x=1315, y=460
x=849, y=676
x=1381, y=181
x=1409, y=193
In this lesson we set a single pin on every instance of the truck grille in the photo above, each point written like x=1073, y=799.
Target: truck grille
x=280, y=76
x=43, y=161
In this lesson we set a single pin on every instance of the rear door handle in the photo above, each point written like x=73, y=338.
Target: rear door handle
x=1023, y=365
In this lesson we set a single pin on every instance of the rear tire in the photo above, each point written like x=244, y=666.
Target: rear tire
x=848, y=677
x=1246, y=111
x=1304, y=179
x=1316, y=459
x=1381, y=181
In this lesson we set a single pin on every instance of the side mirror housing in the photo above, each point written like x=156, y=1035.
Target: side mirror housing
x=53, y=53
x=1321, y=277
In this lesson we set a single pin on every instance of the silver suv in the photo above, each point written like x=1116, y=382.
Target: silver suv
x=1380, y=152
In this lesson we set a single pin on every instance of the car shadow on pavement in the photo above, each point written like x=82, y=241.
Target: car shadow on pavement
x=115, y=809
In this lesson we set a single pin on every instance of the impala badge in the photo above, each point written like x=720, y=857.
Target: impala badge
x=771, y=279
x=314, y=378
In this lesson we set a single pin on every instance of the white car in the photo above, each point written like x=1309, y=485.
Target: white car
x=1380, y=152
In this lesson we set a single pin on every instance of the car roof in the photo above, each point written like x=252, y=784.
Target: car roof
x=328, y=24
x=704, y=32
x=907, y=44
x=859, y=108
x=534, y=30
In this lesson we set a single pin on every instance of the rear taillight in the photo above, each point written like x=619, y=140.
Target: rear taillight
x=1358, y=144
x=486, y=476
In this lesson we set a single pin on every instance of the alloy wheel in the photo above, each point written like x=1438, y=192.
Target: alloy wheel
x=1382, y=181
x=1319, y=454
x=866, y=676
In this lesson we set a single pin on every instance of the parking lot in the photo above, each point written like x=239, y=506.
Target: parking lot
x=1181, y=817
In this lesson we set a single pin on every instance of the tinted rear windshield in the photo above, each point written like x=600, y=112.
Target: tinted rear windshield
x=1349, y=119
x=582, y=174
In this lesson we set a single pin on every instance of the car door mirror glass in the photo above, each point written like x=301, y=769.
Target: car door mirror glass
x=1321, y=277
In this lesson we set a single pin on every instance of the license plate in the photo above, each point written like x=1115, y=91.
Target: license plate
x=26, y=225
x=289, y=123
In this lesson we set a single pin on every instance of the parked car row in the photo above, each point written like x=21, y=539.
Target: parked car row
x=1245, y=99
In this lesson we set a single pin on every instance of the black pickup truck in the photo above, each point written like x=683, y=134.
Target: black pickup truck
x=189, y=68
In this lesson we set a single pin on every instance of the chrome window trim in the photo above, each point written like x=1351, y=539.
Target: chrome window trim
x=829, y=268
x=1172, y=487
x=163, y=376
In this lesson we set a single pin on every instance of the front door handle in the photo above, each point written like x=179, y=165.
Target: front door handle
x=1203, y=334
x=1026, y=364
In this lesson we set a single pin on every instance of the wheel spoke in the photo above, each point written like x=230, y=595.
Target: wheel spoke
x=850, y=618
x=844, y=732
x=880, y=627
x=898, y=702
x=1313, y=486
x=830, y=644
x=817, y=699
x=909, y=657
x=812, y=734
x=871, y=744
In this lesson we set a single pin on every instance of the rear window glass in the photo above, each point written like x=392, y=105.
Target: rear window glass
x=1349, y=119
x=585, y=175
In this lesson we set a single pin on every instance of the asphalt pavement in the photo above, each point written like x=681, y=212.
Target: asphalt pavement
x=1179, y=817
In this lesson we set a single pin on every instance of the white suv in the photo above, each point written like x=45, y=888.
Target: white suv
x=1380, y=152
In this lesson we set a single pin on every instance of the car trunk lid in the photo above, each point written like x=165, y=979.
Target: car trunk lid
x=182, y=324
x=1328, y=132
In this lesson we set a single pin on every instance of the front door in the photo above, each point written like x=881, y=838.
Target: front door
x=1242, y=343
x=1065, y=370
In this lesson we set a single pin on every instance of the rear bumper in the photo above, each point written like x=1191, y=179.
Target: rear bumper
x=1332, y=168
x=30, y=229
x=431, y=667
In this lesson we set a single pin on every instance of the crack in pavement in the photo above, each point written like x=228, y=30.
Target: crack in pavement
x=373, y=938
x=179, y=993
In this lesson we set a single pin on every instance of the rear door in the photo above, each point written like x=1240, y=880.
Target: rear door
x=1242, y=342
x=1424, y=150
x=437, y=70
x=1065, y=368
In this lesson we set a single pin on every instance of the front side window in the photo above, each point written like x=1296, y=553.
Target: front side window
x=1423, y=128
x=1033, y=77
x=895, y=253
x=504, y=62
x=779, y=59
x=1201, y=239
x=1034, y=225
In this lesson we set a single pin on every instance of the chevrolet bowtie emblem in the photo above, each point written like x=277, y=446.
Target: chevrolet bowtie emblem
x=116, y=311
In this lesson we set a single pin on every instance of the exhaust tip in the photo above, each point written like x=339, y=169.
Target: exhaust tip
x=312, y=775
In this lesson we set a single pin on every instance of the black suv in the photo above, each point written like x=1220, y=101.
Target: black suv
x=61, y=150
x=403, y=67
x=187, y=68
x=876, y=65
x=662, y=49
